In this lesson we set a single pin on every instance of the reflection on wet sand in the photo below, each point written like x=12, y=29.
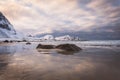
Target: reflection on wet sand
x=57, y=51
x=85, y=65
x=5, y=57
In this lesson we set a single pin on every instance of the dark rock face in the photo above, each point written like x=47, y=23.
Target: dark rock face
x=5, y=24
x=68, y=47
x=6, y=28
x=40, y=46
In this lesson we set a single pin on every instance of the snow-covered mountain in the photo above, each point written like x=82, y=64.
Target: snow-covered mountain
x=7, y=30
x=64, y=38
x=59, y=38
x=48, y=37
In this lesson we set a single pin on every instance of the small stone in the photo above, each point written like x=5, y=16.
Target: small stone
x=28, y=43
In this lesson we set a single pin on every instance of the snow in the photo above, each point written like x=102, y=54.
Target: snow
x=59, y=38
x=52, y=38
x=7, y=31
x=47, y=37
x=64, y=38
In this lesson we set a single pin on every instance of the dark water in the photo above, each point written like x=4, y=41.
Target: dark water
x=23, y=62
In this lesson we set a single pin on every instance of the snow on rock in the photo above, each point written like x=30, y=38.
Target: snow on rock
x=60, y=38
x=64, y=38
x=7, y=30
x=48, y=37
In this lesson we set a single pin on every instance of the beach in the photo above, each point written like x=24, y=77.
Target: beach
x=19, y=61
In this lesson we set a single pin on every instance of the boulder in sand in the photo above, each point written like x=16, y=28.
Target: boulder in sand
x=68, y=47
x=40, y=46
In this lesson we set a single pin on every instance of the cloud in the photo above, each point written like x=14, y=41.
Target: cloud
x=107, y=9
x=46, y=16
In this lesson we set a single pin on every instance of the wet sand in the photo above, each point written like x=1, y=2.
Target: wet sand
x=23, y=62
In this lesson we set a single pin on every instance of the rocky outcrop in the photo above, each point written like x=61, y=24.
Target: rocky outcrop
x=40, y=46
x=65, y=47
x=68, y=47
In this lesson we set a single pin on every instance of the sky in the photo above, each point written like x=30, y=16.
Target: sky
x=47, y=16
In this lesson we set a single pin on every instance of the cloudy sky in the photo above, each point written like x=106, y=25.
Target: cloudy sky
x=46, y=16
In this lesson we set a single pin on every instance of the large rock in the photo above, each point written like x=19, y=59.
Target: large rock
x=68, y=47
x=40, y=46
x=63, y=47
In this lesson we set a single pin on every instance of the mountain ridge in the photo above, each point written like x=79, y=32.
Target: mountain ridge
x=7, y=30
x=94, y=35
